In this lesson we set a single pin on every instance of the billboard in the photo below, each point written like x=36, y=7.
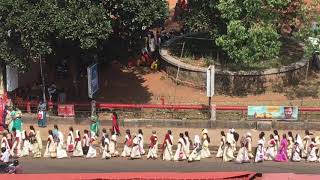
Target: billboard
x=12, y=78
x=93, y=83
x=273, y=112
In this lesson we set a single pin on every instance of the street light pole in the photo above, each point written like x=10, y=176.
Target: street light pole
x=43, y=81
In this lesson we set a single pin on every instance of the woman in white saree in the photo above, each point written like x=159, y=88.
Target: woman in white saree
x=78, y=146
x=180, y=154
x=271, y=149
x=222, y=144
x=205, y=151
x=228, y=152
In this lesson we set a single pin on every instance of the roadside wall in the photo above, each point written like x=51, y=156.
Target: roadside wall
x=235, y=83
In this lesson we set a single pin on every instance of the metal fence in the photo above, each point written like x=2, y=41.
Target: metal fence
x=165, y=111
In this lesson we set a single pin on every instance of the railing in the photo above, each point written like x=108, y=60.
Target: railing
x=165, y=111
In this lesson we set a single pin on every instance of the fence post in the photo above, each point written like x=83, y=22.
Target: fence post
x=306, y=117
x=243, y=114
x=213, y=112
x=93, y=107
x=66, y=111
x=28, y=106
x=50, y=105
x=162, y=100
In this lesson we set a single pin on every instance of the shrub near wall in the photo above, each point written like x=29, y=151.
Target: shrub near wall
x=237, y=83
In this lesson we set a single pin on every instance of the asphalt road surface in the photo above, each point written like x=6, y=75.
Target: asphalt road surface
x=82, y=165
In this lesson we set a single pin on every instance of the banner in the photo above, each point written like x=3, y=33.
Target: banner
x=66, y=110
x=93, y=83
x=12, y=78
x=273, y=112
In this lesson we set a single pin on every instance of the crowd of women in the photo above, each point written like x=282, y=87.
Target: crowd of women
x=287, y=148
x=29, y=143
x=20, y=144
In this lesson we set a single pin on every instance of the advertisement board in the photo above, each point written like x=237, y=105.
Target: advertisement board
x=93, y=82
x=66, y=110
x=273, y=112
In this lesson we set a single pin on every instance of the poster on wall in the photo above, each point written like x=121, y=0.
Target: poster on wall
x=273, y=112
x=93, y=83
x=12, y=78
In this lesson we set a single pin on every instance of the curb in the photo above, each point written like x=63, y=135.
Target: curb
x=259, y=125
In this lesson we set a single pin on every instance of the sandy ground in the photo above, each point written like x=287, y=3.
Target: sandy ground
x=128, y=86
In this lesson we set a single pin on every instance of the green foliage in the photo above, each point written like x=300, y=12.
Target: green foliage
x=23, y=31
x=31, y=28
x=259, y=42
x=249, y=31
x=131, y=17
x=202, y=15
x=82, y=21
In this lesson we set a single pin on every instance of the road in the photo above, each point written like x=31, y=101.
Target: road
x=81, y=165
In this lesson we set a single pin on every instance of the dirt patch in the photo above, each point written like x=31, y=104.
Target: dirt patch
x=133, y=86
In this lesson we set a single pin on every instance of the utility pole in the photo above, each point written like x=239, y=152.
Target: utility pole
x=43, y=81
x=210, y=89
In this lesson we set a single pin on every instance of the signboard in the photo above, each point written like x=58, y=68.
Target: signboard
x=66, y=110
x=12, y=78
x=93, y=83
x=273, y=112
x=210, y=81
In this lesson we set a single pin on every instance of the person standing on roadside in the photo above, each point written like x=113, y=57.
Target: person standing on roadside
x=95, y=126
x=42, y=115
x=115, y=124
x=17, y=122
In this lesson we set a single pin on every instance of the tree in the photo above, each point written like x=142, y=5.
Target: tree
x=248, y=31
x=85, y=22
x=132, y=18
x=30, y=28
x=24, y=31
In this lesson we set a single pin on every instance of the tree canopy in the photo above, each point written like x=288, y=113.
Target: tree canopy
x=31, y=28
x=132, y=18
x=248, y=31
